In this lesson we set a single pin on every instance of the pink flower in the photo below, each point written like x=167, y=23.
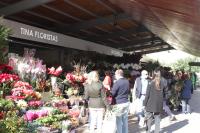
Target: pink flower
x=70, y=77
x=35, y=103
x=33, y=115
x=22, y=84
x=55, y=72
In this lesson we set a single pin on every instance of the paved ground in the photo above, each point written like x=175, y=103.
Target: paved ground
x=185, y=123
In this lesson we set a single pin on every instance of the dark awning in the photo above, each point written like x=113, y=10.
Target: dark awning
x=97, y=21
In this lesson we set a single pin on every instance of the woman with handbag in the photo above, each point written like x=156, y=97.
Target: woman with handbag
x=94, y=93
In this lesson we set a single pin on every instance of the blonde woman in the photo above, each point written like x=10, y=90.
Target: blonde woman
x=95, y=96
x=154, y=101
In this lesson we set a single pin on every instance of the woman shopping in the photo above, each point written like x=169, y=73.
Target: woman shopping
x=154, y=101
x=94, y=93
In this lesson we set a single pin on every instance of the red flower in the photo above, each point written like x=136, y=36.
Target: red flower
x=5, y=67
x=4, y=77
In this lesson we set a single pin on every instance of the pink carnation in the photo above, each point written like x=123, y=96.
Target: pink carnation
x=4, y=77
x=22, y=84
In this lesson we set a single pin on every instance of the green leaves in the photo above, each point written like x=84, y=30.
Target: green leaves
x=12, y=123
x=4, y=33
x=6, y=105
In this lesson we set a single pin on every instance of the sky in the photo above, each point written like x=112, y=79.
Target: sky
x=167, y=57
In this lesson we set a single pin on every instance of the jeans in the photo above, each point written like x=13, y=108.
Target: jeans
x=185, y=106
x=96, y=119
x=140, y=108
x=149, y=117
x=121, y=112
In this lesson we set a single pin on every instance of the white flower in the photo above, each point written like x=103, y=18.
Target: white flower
x=22, y=103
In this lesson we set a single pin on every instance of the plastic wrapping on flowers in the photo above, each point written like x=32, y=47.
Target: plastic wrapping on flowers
x=28, y=68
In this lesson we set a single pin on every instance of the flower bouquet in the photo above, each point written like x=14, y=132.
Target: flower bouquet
x=54, y=74
x=34, y=104
x=23, y=90
x=35, y=114
x=6, y=81
x=22, y=105
x=28, y=68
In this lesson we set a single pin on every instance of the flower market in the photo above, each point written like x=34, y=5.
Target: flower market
x=77, y=66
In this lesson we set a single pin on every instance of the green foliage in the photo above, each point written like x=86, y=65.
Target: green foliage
x=52, y=120
x=182, y=64
x=4, y=33
x=6, y=105
x=6, y=87
x=12, y=123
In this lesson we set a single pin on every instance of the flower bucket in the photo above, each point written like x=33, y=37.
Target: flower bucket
x=54, y=83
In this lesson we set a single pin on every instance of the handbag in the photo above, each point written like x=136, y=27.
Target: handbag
x=109, y=123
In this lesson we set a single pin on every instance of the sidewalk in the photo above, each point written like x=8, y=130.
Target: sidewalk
x=185, y=123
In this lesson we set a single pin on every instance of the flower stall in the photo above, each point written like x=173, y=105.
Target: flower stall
x=23, y=83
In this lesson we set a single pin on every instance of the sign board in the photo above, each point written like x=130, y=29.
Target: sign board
x=32, y=33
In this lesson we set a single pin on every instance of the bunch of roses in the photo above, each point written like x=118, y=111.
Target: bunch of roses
x=80, y=78
x=74, y=78
x=23, y=90
x=22, y=84
x=4, y=78
x=70, y=77
x=55, y=72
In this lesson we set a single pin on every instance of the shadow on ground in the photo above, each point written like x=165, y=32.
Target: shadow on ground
x=175, y=126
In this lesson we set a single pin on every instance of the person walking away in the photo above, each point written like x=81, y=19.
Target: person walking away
x=154, y=101
x=139, y=92
x=120, y=92
x=94, y=93
x=186, y=94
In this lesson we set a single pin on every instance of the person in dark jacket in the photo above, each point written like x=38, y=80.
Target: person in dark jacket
x=120, y=92
x=154, y=101
x=94, y=92
x=139, y=91
x=186, y=94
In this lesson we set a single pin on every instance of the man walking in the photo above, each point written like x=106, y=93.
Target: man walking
x=120, y=92
x=139, y=91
